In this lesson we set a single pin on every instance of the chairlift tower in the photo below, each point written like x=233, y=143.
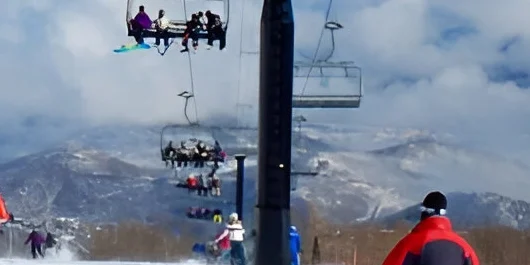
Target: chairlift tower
x=326, y=69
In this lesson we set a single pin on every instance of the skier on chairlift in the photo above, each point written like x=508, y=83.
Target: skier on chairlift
x=192, y=212
x=215, y=183
x=200, y=16
x=183, y=155
x=215, y=30
x=139, y=24
x=162, y=26
x=202, y=185
x=201, y=154
x=191, y=182
x=193, y=27
x=169, y=154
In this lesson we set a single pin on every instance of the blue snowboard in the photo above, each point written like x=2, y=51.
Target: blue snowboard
x=132, y=47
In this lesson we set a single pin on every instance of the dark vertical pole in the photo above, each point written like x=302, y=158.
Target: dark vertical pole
x=275, y=118
x=240, y=178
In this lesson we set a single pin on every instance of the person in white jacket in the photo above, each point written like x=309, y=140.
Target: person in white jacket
x=236, y=233
x=162, y=25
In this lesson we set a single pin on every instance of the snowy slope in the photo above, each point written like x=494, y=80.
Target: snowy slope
x=73, y=262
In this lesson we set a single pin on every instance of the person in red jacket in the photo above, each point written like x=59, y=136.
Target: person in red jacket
x=432, y=241
x=224, y=246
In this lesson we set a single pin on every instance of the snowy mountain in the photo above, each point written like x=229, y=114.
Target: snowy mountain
x=72, y=181
x=363, y=173
x=475, y=209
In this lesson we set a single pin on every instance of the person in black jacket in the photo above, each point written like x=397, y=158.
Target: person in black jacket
x=169, y=154
x=215, y=30
x=193, y=27
x=49, y=242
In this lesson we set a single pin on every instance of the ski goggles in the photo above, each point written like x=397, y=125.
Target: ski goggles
x=432, y=211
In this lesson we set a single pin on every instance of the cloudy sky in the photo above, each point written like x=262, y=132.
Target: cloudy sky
x=441, y=65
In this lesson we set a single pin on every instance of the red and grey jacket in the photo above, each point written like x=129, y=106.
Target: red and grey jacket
x=432, y=242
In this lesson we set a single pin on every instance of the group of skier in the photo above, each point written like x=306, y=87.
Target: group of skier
x=228, y=244
x=198, y=154
x=203, y=184
x=206, y=214
x=199, y=22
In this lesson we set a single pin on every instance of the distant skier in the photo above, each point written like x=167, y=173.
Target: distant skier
x=36, y=243
x=202, y=185
x=295, y=245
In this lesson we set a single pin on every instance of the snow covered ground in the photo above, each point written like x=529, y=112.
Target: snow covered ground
x=72, y=262
x=65, y=256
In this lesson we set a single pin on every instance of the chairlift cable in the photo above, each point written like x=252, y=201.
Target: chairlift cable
x=191, y=70
x=186, y=110
x=318, y=48
x=240, y=62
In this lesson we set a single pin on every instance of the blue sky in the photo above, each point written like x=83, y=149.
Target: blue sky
x=440, y=65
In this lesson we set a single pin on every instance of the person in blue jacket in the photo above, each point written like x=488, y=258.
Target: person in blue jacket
x=295, y=245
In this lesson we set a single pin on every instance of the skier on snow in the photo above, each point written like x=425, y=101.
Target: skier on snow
x=235, y=232
x=36, y=243
x=50, y=242
x=295, y=245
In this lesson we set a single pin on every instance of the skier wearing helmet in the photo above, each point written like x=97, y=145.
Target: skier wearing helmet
x=295, y=245
x=235, y=232
x=433, y=241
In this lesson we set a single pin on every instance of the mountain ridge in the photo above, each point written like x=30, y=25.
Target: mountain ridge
x=386, y=172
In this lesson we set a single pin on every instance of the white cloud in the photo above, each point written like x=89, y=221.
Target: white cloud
x=426, y=63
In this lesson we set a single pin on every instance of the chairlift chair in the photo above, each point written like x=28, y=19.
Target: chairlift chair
x=346, y=71
x=178, y=25
x=209, y=158
x=320, y=70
